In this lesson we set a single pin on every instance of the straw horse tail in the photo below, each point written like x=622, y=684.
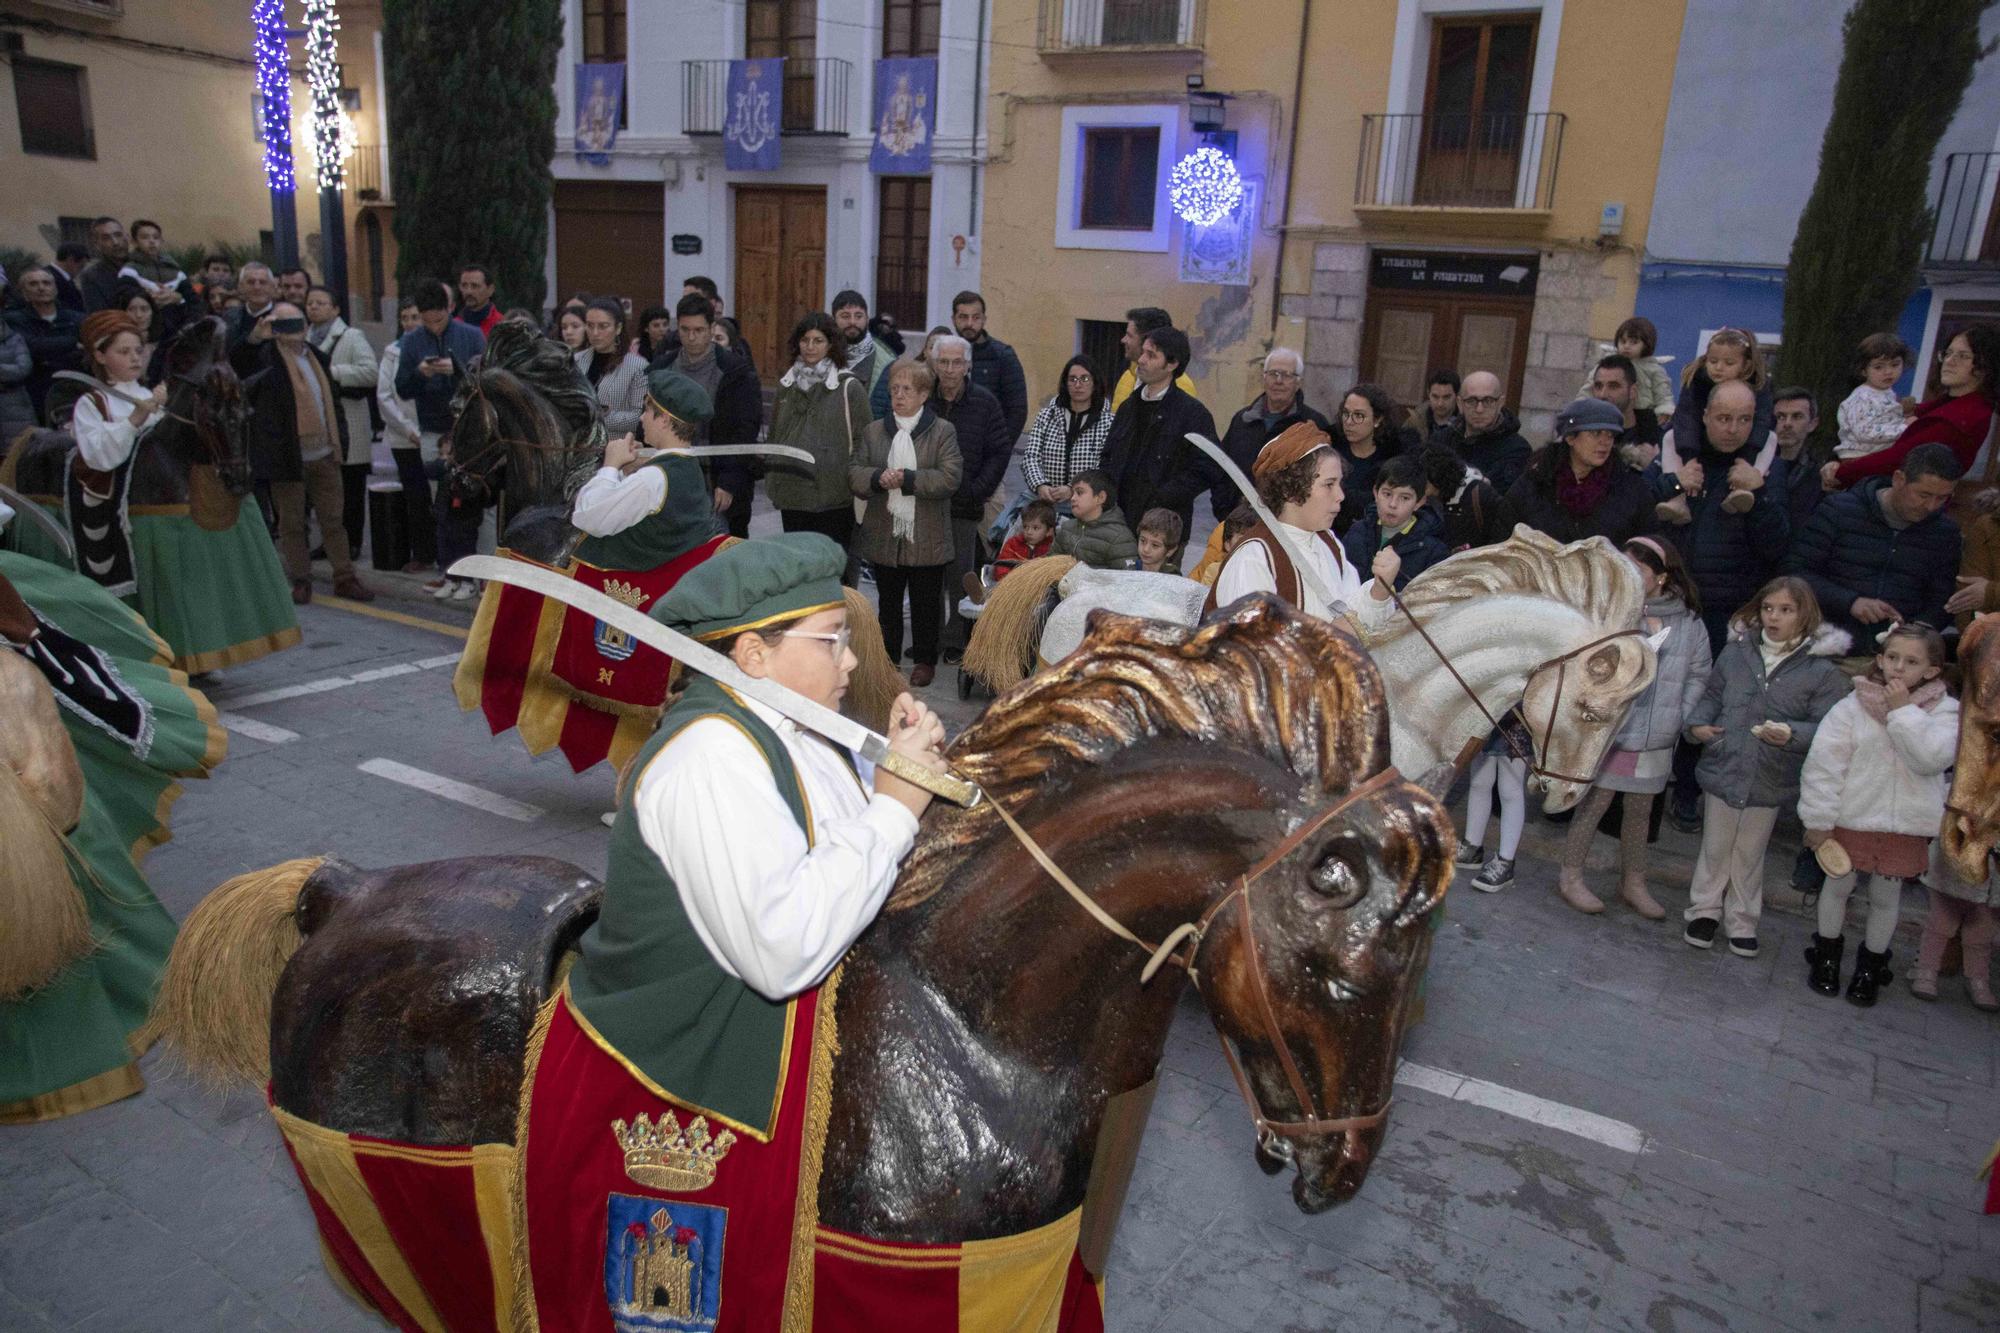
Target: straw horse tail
x=872, y=689
x=1002, y=649
x=214, y=1006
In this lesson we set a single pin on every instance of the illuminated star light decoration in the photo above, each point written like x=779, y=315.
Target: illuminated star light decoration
x=1205, y=186
x=333, y=131
x=274, y=84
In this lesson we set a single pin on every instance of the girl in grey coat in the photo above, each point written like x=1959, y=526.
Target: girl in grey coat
x=906, y=468
x=618, y=376
x=1642, y=754
x=1772, y=683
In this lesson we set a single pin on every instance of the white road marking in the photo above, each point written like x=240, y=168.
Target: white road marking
x=452, y=790
x=255, y=730
x=1524, y=1106
x=342, y=682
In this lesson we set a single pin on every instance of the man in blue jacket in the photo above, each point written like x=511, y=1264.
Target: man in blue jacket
x=1886, y=550
x=431, y=360
x=995, y=368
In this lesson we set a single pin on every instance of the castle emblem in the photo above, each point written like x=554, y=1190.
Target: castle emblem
x=612, y=642
x=663, y=1265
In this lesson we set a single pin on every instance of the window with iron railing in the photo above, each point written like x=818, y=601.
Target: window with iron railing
x=786, y=28
x=1459, y=161
x=1967, y=230
x=1111, y=25
x=815, y=99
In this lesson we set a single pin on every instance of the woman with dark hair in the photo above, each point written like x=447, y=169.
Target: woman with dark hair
x=136, y=302
x=822, y=409
x=656, y=326
x=1960, y=416
x=1578, y=487
x=1369, y=437
x=569, y=326
x=618, y=376
x=1068, y=434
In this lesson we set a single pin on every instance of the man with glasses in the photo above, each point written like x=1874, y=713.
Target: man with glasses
x=1282, y=404
x=1488, y=436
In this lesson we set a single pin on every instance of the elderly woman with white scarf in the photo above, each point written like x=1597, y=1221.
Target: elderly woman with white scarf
x=905, y=468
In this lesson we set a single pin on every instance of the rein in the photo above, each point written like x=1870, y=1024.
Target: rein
x=1560, y=663
x=1197, y=932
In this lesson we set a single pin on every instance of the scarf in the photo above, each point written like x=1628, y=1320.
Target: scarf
x=859, y=354
x=1580, y=496
x=902, y=504
x=1874, y=696
x=804, y=376
x=315, y=435
x=1775, y=652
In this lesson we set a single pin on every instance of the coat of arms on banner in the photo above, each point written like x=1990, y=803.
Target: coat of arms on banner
x=1220, y=252
x=750, y=132
x=905, y=111
x=663, y=1264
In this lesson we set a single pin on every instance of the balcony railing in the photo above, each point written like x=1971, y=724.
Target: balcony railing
x=368, y=173
x=1967, y=231
x=1459, y=161
x=814, y=100
x=1110, y=25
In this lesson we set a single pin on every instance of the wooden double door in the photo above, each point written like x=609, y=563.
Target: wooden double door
x=780, y=266
x=1407, y=335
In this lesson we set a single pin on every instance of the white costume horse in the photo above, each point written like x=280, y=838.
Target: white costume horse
x=1552, y=628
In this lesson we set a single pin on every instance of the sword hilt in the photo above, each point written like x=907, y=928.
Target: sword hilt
x=954, y=789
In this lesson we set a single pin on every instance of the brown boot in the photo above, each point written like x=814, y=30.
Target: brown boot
x=353, y=589
x=1569, y=883
x=302, y=591
x=1632, y=890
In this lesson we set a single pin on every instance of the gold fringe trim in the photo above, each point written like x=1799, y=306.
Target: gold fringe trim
x=238, y=653
x=798, y=1312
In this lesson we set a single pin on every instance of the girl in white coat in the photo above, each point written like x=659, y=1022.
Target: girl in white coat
x=1874, y=784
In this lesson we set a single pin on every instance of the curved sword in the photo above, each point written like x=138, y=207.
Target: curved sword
x=792, y=452
x=33, y=513
x=79, y=377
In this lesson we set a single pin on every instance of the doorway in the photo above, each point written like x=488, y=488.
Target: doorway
x=611, y=240
x=1475, y=111
x=1406, y=336
x=780, y=266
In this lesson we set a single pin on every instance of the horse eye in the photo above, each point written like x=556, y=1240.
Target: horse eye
x=1334, y=876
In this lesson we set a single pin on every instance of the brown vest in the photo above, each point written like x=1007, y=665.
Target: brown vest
x=1290, y=586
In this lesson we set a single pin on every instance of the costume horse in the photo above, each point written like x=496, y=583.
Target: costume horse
x=1972, y=809
x=1231, y=776
x=526, y=421
x=1528, y=622
x=197, y=454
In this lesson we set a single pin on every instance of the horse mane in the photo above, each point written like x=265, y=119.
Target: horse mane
x=543, y=411
x=1298, y=690
x=198, y=346
x=547, y=367
x=1591, y=576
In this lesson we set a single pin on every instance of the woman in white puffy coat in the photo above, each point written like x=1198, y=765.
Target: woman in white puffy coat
x=1874, y=784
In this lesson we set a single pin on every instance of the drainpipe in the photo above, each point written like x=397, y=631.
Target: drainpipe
x=979, y=59
x=1291, y=161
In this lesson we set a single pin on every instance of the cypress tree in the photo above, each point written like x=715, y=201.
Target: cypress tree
x=1904, y=67
x=472, y=116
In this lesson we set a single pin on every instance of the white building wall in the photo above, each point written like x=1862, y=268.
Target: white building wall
x=699, y=197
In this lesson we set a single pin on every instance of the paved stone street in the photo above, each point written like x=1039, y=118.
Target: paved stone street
x=1686, y=1141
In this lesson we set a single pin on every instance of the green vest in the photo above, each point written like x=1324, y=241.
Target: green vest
x=644, y=980
x=684, y=520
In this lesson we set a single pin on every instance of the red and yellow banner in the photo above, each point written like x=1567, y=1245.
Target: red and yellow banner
x=564, y=678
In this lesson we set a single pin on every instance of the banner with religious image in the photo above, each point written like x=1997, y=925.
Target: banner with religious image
x=751, y=124
x=1220, y=252
x=905, y=116
x=600, y=89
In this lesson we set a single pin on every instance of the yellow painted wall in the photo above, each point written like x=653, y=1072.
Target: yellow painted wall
x=174, y=135
x=1035, y=293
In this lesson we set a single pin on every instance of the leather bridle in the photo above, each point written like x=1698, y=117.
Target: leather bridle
x=1195, y=935
x=1560, y=663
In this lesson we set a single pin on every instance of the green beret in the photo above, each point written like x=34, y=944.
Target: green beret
x=678, y=396
x=755, y=584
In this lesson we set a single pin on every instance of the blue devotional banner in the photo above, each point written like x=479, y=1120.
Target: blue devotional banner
x=905, y=114
x=750, y=131
x=600, y=89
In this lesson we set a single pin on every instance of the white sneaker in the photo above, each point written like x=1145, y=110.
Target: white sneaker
x=465, y=591
x=444, y=590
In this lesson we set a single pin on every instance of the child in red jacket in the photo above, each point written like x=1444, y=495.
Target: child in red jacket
x=1032, y=542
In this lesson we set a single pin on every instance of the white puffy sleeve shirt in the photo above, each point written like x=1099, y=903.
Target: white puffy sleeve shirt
x=1249, y=570
x=776, y=911
x=612, y=502
x=105, y=442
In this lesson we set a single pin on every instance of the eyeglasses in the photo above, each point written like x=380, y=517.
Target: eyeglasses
x=1281, y=374
x=1076, y=379
x=1357, y=416
x=841, y=639
x=1954, y=355
x=1482, y=401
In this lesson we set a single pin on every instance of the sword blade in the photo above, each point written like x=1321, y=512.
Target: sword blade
x=785, y=451
x=696, y=656
x=1301, y=558
x=38, y=517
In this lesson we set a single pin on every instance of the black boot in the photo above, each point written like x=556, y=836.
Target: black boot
x=1871, y=973
x=1824, y=955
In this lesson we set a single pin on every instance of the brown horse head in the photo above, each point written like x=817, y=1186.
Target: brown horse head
x=1972, y=811
x=1157, y=766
